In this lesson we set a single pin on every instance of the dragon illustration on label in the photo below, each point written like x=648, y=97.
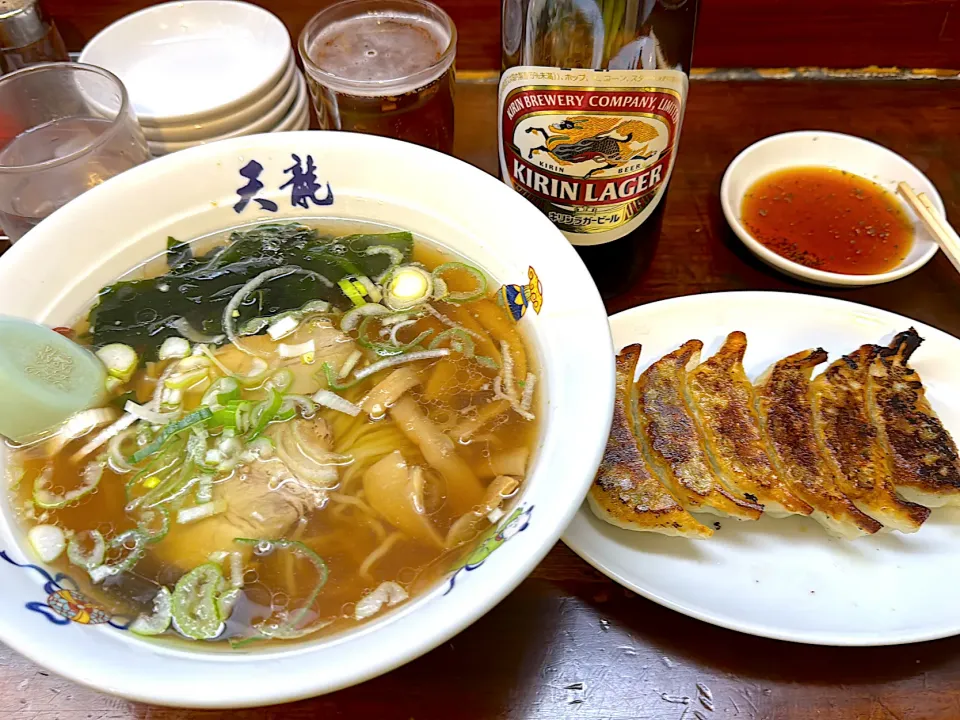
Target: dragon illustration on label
x=592, y=149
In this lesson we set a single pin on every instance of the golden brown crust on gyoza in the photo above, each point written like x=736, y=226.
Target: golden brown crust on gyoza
x=671, y=439
x=850, y=442
x=725, y=406
x=625, y=493
x=786, y=418
x=922, y=456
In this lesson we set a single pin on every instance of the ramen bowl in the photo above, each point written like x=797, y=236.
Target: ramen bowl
x=53, y=274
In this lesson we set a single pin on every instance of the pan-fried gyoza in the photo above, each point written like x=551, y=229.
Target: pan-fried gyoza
x=672, y=440
x=625, y=492
x=725, y=404
x=858, y=448
x=851, y=443
x=922, y=455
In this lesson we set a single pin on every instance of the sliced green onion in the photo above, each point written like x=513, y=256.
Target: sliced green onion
x=224, y=391
x=396, y=257
x=290, y=351
x=43, y=497
x=265, y=413
x=92, y=558
x=171, y=430
x=184, y=380
x=200, y=512
x=158, y=622
x=120, y=360
x=459, y=341
x=265, y=547
x=407, y=286
x=386, y=349
x=283, y=326
x=372, y=291
x=236, y=570
x=237, y=300
x=462, y=297
x=355, y=290
x=281, y=380
x=205, y=488
x=105, y=435
x=333, y=401
x=194, y=607
x=183, y=326
x=141, y=412
x=399, y=360
x=139, y=540
x=352, y=317
x=488, y=362
x=349, y=364
x=48, y=541
x=154, y=523
x=174, y=348
x=330, y=375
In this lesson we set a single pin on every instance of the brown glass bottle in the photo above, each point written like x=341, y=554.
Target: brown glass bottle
x=590, y=108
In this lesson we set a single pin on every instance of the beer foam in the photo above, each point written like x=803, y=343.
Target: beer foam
x=376, y=53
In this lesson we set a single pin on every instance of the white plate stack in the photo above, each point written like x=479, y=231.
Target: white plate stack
x=204, y=70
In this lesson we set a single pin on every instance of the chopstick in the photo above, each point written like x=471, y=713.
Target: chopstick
x=943, y=234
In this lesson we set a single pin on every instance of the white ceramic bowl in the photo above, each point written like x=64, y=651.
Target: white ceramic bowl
x=844, y=152
x=184, y=62
x=218, y=126
x=54, y=272
x=282, y=117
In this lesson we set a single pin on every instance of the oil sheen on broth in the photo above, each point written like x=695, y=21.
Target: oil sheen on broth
x=288, y=488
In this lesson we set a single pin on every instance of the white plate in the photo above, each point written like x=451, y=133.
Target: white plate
x=253, y=113
x=285, y=116
x=186, y=61
x=835, y=150
x=787, y=579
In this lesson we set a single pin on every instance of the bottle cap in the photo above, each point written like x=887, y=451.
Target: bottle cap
x=45, y=379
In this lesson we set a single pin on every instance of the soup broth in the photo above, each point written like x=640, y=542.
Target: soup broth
x=325, y=452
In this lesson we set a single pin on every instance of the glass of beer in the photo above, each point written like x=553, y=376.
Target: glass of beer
x=384, y=67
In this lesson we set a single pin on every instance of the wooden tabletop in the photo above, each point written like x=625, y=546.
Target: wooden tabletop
x=568, y=643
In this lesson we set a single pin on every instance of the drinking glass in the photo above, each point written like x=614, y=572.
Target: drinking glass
x=64, y=128
x=384, y=67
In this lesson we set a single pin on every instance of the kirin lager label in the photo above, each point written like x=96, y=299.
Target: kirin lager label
x=593, y=149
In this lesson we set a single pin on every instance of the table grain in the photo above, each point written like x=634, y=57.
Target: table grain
x=568, y=643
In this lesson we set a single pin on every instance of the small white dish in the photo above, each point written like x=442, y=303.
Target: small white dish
x=827, y=149
x=184, y=62
x=283, y=117
x=256, y=111
x=786, y=578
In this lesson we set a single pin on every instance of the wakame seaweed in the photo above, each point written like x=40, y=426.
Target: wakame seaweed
x=143, y=313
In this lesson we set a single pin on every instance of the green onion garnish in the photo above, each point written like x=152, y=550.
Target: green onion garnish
x=171, y=430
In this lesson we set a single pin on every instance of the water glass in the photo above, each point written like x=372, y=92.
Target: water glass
x=64, y=128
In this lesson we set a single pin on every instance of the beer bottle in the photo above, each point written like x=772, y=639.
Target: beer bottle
x=591, y=101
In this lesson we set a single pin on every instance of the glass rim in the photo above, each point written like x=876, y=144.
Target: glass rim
x=413, y=81
x=95, y=142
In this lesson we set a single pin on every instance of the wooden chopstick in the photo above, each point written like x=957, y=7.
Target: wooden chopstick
x=943, y=234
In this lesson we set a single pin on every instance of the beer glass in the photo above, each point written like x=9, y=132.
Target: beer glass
x=64, y=128
x=384, y=67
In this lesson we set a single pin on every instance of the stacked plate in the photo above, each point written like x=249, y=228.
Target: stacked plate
x=204, y=70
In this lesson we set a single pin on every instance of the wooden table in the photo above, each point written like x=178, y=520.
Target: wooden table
x=568, y=643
